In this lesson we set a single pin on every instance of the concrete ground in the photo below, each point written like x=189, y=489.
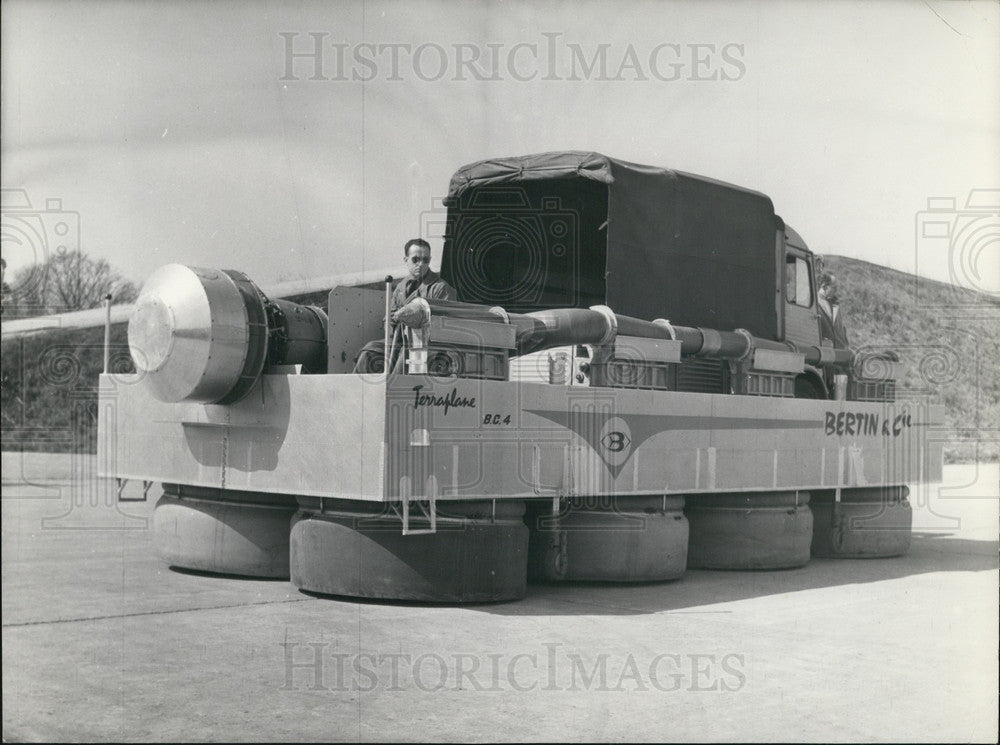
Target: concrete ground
x=101, y=642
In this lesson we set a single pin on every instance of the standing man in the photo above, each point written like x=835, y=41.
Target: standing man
x=830, y=323
x=420, y=282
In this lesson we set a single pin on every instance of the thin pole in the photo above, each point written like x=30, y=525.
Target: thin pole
x=388, y=322
x=107, y=332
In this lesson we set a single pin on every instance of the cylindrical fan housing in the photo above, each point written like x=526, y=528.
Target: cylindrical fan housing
x=205, y=335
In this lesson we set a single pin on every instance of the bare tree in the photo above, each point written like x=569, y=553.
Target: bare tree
x=67, y=281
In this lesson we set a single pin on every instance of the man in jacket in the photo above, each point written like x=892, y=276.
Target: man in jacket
x=831, y=324
x=419, y=282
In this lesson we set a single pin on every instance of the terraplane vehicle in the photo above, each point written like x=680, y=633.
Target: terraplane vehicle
x=632, y=381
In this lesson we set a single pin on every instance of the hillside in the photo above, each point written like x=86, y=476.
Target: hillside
x=947, y=338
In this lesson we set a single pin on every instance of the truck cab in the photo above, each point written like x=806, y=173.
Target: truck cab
x=799, y=309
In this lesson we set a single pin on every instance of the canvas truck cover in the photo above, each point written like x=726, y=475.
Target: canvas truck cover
x=575, y=229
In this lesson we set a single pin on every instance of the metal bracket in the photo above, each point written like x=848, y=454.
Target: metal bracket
x=121, y=483
x=430, y=513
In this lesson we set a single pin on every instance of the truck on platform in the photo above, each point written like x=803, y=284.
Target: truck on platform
x=633, y=380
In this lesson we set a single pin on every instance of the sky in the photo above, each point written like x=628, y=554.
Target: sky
x=294, y=140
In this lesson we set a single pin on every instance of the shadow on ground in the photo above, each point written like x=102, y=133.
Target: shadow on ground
x=697, y=588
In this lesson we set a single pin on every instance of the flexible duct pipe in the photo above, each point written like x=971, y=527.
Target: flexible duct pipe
x=563, y=326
